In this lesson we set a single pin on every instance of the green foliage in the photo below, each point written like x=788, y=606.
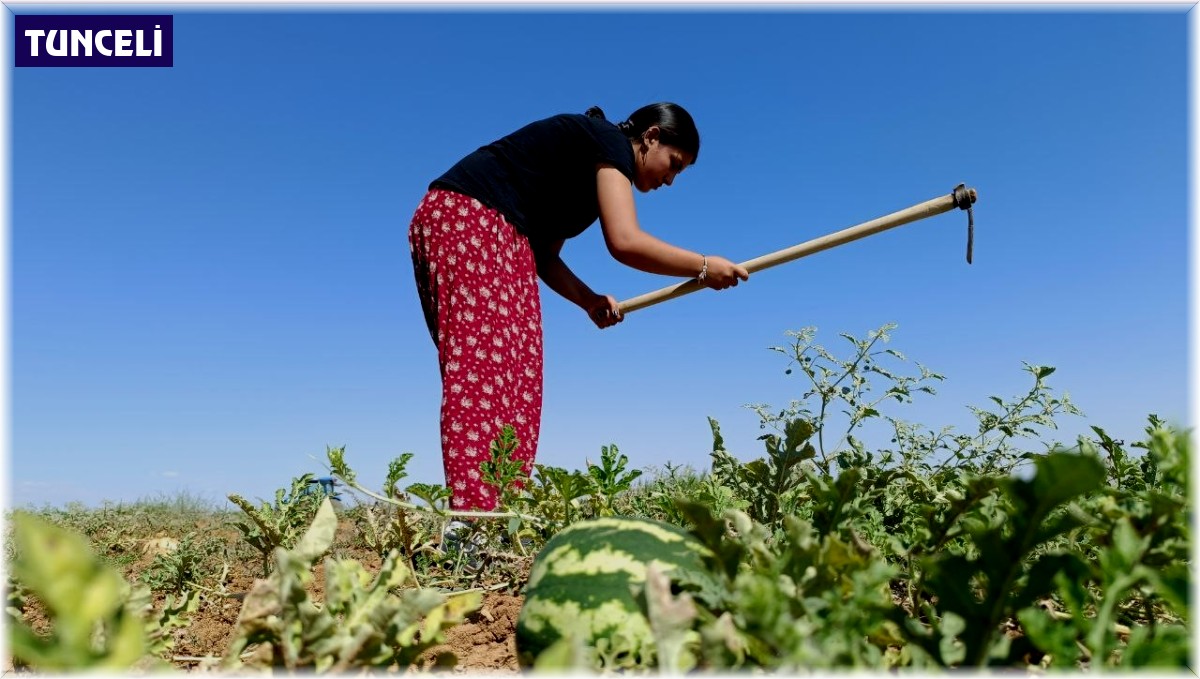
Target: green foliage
x=1026, y=556
x=160, y=627
x=609, y=479
x=117, y=529
x=995, y=547
x=770, y=486
x=188, y=562
x=1023, y=417
x=656, y=497
x=434, y=495
x=802, y=600
x=384, y=527
x=500, y=470
x=567, y=488
x=942, y=550
x=361, y=624
x=281, y=523
x=844, y=383
x=1007, y=571
x=397, y=470
x=418, y=533
x=98, y=619
x=1130, y=578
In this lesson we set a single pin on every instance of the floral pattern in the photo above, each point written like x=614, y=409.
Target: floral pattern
x=478, y=286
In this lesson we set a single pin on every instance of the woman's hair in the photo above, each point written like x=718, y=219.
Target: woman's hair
x=675, y=125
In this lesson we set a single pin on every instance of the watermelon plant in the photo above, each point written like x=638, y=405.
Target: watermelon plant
x=277, y=524
x=100, y=622
x=178, y=569
x=937, y=549
x=944, y=550
x=610, y=479
x=361, y=622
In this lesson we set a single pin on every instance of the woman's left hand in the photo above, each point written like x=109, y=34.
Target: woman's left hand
x=604, y=311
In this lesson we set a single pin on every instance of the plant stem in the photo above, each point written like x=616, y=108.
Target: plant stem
x=449, y=512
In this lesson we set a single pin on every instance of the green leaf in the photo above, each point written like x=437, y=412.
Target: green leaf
x=1053, y=637
x=671, y=620
x=1161, y=646
x=1060, y=477
x=435, y=495
x=396, y=472
x=711, y=532
x=1127, y=545
x=796, y=432
x=1044, y=575
x=1173, y=584
x=80, y=593
x=337, y=463
x=319, y=537
x=718, y=441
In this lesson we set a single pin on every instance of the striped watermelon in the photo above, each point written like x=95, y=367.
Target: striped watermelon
x=583, y=582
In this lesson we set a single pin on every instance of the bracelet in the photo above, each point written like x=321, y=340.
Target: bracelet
x=703, y=269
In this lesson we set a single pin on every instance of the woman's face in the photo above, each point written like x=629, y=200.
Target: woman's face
x=657, y=163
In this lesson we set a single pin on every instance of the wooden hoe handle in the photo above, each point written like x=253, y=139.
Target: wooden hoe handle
x=962, y=198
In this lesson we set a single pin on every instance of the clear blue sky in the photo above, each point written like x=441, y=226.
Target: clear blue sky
x=210, y=280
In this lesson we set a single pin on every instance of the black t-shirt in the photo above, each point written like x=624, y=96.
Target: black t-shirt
x=542, y=177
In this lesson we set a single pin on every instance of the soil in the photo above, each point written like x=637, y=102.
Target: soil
x=485, y=643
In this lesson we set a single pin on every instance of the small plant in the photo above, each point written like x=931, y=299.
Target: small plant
x=418, y=531
x=846, y=383
x=160, y=627
x=500, y=471
x=173, y=570
x=279, y=524
x=609, y=478
x=991, y=449
x=1007, y=570
x=770, y=486
x=1129, y=567
x=436, y=496
x=385, y=527
x=557, y=495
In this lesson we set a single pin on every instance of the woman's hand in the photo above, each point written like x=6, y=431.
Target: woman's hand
x=722, y=273
x=604, y=311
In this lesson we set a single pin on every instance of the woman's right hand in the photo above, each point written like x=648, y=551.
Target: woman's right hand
x=723, y=273
x=604, y=311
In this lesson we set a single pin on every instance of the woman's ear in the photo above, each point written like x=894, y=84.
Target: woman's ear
x=651, y=134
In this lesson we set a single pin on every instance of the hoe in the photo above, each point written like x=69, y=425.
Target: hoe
x=962, y=198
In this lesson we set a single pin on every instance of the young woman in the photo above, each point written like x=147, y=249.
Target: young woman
x=494, y=223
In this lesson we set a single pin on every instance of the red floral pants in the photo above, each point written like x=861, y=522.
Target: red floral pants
x=477, y=281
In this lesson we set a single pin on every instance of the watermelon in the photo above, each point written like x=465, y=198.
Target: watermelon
x=583, y=584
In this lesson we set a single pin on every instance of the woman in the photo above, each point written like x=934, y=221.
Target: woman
x=494, y=223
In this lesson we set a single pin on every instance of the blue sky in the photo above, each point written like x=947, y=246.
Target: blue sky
x=210, y=280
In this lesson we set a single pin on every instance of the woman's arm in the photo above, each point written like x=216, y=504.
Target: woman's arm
x=559, y=277
x=633, y=247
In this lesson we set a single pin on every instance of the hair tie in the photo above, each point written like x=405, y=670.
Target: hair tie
x=625, y=126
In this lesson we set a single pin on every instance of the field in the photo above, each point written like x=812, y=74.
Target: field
x=188, y=542
x=992, y=548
